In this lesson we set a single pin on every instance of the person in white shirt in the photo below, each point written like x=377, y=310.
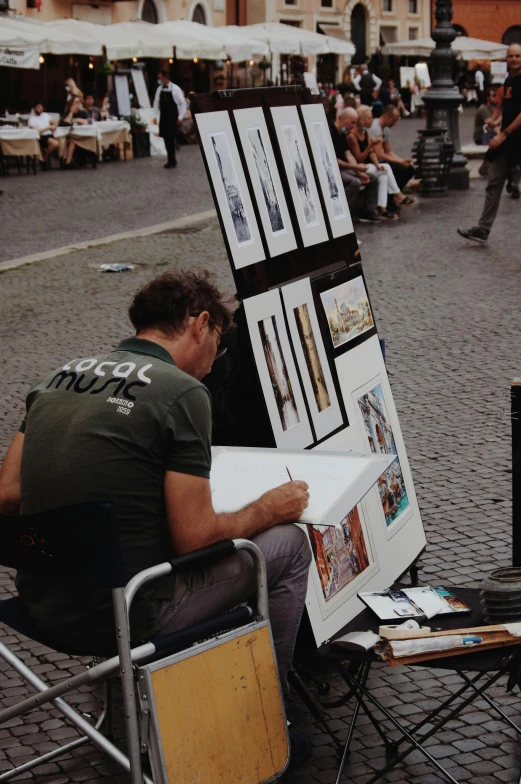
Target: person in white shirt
x=45, y=125
x=480, y=84
x=170, y=106
x=367, y=83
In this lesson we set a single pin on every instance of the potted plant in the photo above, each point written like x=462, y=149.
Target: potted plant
x=140, y=136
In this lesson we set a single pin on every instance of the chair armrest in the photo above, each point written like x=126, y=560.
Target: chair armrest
x=205, y=556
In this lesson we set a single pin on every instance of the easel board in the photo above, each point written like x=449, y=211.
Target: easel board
x=122, y=95
x=316, y=378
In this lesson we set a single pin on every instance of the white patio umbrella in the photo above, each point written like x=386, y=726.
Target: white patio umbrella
x=48, y=39
x=465, y=48
x=134, y=39
x=285, y=39
x=84, y=31
x=190, y=41
x=211, y=43
x=18, y=50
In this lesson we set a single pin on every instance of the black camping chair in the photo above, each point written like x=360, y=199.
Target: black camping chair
x=80, y=543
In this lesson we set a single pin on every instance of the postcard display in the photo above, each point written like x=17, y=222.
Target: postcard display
x=306, y=370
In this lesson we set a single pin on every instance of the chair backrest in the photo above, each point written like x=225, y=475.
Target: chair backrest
x=78, y=543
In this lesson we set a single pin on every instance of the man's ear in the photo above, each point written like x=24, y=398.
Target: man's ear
x=200, y=325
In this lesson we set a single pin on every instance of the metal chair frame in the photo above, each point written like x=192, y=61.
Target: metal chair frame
x=124, y=662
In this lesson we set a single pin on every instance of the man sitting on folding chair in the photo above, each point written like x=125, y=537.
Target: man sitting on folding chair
x=133, y=426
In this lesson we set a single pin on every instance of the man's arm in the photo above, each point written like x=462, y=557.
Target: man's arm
x=155, y=105
x=10, y=477
x=514, y=126
x=377, y=82
x=356, y=81
x=182, y=105
x=193, y=523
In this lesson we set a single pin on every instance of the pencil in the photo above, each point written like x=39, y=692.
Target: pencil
x=290, y=479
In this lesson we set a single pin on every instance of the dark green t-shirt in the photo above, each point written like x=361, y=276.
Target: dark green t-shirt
x=107, y=428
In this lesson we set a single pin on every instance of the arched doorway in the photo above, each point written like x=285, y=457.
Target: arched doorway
x=460, y=30
x=199, y=14
x=149, y=12
x=359, y=32
x=512, y=35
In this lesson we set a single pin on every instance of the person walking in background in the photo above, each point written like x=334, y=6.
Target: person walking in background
x=504, y=152
x=483, y=132
x=367, y=83
x=170, y=106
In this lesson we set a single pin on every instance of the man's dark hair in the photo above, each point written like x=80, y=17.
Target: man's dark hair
x=168, y=300
x=166, y=74
x=390, y=109
x=489, y=90
x=89, y=95
x=38, y=103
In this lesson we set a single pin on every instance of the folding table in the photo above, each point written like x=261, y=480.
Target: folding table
x=488, y=667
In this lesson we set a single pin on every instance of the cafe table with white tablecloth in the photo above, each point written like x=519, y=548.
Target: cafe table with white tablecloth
x=95, y=137
x=20, y=141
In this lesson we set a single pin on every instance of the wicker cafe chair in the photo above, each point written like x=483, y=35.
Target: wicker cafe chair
x=81, y=543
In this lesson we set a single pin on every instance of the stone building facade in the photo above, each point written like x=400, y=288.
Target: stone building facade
x=492, y=20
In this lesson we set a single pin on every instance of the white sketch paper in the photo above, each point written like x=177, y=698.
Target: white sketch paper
x=300, y=174
x=277, y=371
x=311, y=357
x=327, y=168
x=233, y=198
x=265, y=178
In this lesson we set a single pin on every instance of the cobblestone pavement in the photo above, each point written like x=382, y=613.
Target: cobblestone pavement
x=450, y=315
x=56, y=207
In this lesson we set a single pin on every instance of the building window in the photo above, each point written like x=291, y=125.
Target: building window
x=413, y=6
x=387, y=6
x=388, y=35
x=413, y=33
x=199, y=14
x=326, y=3
x=290, y=2
x=149, y=12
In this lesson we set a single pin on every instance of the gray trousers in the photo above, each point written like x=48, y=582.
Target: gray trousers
x=352, y=185
x=497, y=174
x=202, y=594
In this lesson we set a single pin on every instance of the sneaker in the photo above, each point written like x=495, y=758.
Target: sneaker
x=300, y=750
x=476, y=233
x=515, y=192
x=369, y=217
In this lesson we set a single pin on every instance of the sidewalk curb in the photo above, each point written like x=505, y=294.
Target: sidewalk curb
x=178, y=223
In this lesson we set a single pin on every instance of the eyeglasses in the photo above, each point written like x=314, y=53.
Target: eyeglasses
x=220, y=351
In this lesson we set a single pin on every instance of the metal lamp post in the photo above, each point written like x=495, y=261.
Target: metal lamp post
x=443, y=99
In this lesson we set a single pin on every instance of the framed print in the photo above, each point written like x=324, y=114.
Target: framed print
x=344, y=563
x=265, y=179
x=343, y=309
x=317, y=379
x=300, y=174
x=327, y=167
x=277, y=371
x=230, y=188
x=378, y=429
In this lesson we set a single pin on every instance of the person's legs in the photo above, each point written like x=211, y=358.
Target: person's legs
x=382, y=184
x=170, y=149
x=402, y=174
x=204, y=593
x=52, y=145
x=497, y=175
x=391, y=180
x=370, y=197
x=351, y=183
x=70, y=151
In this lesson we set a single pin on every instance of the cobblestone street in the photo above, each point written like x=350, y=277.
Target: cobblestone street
x=450, y=314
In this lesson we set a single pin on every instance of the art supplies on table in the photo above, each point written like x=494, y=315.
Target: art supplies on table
x=424, y=601
x=337, y=482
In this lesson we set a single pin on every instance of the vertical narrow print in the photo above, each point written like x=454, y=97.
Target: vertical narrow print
x=266, y=181
x=231, y=187
x=333, y=189
x=299, y=173
x=313, y=363
x=278, y=373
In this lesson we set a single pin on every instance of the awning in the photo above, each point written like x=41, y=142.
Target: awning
x=192, y=39
x=86, y=32
x=465, y=48
x=48, y=39
x=286, y=39
x=125, y=40
x=337, y=38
